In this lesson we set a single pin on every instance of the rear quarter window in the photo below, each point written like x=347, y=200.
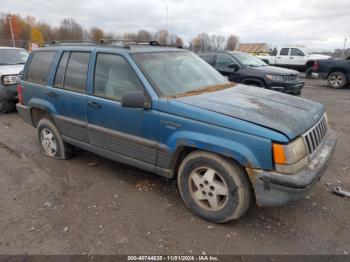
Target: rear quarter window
x=39, y=67
x=208, y=58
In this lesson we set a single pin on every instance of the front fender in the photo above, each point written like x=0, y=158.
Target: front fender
x=247, y=150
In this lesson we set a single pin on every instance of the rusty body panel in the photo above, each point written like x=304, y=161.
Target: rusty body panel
x=288, y=115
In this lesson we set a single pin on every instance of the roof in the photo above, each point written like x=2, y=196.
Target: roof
x=253, y=47
x=9, y=47
x=137, y=48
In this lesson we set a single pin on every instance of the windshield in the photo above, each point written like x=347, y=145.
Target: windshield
x=307, y=51
x=13, y=56
x=174, y=73
x=248, y=60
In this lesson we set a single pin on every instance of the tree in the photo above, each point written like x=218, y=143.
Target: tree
x=36, y=37
x=217, y=42
x=179, y=42
x=143, y=36
x=162, y=37
x=70, y=30
x=196, y=44
x=96, y=34
x=232, y=42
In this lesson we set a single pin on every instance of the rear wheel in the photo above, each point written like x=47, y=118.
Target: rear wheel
x=213, y=187
x=51, y=141
x=337, y=80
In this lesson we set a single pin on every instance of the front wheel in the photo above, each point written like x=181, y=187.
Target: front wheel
x=213, y=187
x=337, y=80
x=5, y=106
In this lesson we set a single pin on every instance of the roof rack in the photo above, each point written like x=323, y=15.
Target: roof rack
x=125, y=43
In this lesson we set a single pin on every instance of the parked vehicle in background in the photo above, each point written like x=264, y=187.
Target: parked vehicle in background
x=294, y=58
x=244, y=68
x=166, y=111
x=335, y=71
x=12, y=61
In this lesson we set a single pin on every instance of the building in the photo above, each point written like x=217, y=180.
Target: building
x=254, y=48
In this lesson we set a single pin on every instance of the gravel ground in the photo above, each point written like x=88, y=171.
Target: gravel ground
x=90, y=205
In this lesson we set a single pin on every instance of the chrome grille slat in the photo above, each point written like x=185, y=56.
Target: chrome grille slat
x=314, y=137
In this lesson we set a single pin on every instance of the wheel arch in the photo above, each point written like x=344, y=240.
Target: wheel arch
x=249, y=80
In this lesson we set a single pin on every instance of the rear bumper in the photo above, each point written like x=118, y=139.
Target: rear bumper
x=274, y=189
x=293, y=88
x=24, y=112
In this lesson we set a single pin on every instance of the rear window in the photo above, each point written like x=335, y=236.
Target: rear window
x=39, y=68
x=72, y=71
x=208, y=58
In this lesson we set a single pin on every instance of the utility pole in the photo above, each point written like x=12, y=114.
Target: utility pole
x=344, y=48
x=12, y=35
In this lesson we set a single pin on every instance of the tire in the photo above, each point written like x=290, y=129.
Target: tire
x=203, y=176
x=308, y=72
x=51, y=142
x=5, y=106
x=337, y=80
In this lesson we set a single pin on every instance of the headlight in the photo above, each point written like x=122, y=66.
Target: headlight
x=10, y=79
x=290, y=158
x=275, y=78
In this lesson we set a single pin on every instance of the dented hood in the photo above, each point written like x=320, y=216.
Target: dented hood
x=284, y=113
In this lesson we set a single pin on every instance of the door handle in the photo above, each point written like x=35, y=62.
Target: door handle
x=52, y=94
x=291, y=57
x=279, y=57
x=94, y=104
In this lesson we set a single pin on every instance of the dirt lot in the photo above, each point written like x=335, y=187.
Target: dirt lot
x=90, y=205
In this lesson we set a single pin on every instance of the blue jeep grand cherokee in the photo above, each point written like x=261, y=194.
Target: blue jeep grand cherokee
x=167, y=111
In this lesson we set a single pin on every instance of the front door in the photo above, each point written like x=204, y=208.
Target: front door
x=128, y=132
x=223, y=61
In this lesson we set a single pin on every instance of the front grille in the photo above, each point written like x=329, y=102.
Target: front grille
x=290, y=78
x=315, y=136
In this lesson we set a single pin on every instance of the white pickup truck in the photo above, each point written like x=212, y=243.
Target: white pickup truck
x=294, y=58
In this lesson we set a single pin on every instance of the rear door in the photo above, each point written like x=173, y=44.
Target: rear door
x=282, y=58
x=69, y=94
x=131, y=133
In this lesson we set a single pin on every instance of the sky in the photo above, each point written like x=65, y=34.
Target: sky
x=316, y=24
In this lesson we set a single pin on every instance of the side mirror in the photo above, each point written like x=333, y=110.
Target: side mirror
x=234, y=66
x=135, y=99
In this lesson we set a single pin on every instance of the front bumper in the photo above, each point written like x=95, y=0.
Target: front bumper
x=293, y=88
x=8, y=93
x=274, y=189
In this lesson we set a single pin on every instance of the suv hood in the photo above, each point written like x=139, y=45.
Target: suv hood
x=274, y=70
x=289, y=115
x=10, y=69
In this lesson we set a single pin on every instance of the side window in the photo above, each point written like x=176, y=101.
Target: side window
x=284, y=51
x=296, y=52
x=76, y=72
x=114, y=76
x=59, y=78
x=39, y=68
x=224, y=61
x=208, y=58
